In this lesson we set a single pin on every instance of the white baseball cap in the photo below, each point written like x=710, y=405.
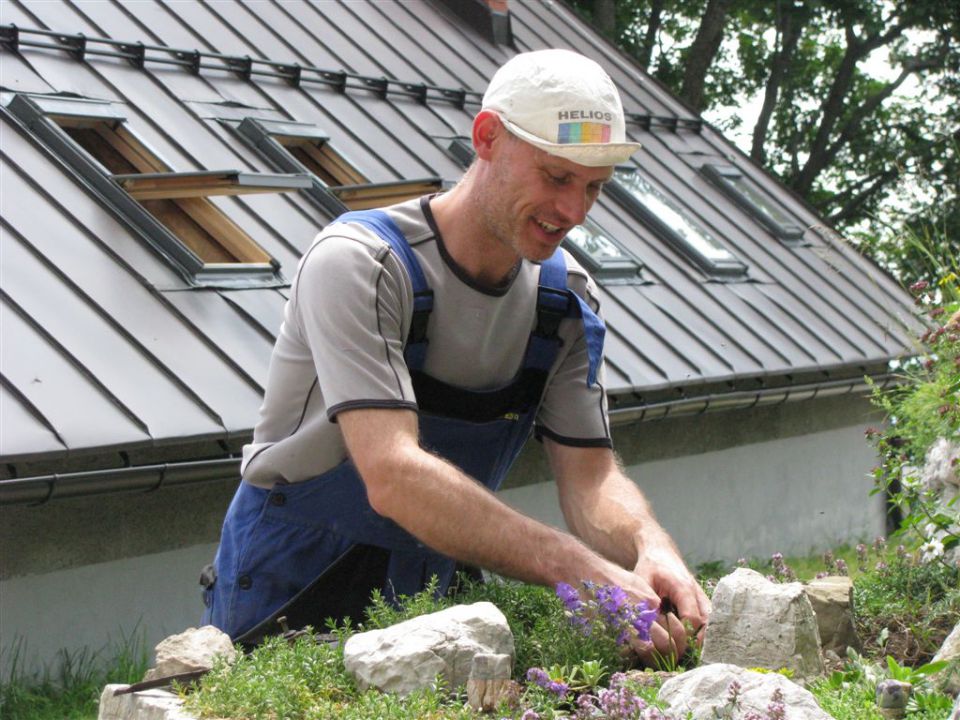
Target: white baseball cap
x=563, y=103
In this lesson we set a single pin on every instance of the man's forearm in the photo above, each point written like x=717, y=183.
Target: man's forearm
x=453, y=514
x=603, y=507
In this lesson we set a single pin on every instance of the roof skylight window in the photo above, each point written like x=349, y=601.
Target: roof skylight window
x=603, y=256
x=337, y=184
x=668, y=219
x=736, y=187
x=171, y=209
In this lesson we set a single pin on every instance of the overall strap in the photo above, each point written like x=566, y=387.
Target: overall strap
x=415, y=351
x=555, y=301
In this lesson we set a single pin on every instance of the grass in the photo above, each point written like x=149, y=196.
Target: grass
x=71, y=691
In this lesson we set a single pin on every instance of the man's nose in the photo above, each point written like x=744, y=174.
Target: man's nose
x=573, y=205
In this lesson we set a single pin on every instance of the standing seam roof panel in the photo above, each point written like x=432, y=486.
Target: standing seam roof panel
x=145, y=314
x=161, y=408
x=31, y=436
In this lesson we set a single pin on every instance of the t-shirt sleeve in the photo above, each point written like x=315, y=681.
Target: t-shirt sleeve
x=573, y=413
x=349, y=302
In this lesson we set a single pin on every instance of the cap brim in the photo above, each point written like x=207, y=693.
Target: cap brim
x=588, y=154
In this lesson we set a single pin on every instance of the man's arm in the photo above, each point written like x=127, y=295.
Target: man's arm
x=607, y=511
x=456, y=516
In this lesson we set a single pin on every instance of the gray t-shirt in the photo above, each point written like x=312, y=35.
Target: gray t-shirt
x=341, y=345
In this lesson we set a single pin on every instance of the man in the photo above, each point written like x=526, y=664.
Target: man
x=419, y=347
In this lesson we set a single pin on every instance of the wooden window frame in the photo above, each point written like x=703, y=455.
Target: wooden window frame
x=338, y=185
x=171, y=210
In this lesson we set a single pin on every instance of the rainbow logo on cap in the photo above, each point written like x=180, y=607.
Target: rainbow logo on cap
x=583, y=132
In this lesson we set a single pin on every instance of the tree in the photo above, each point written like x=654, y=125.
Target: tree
x=829, y=125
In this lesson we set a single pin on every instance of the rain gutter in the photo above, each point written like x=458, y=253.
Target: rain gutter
x=744, y=399
x=41, y=489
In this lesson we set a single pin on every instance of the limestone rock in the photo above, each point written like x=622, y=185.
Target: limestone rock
x=949, y=678
x=154, y=704
x=193, y=649
x=832, y=602
x=940, y=474
x=409, y=656
x=704, y=693
x=758, y=623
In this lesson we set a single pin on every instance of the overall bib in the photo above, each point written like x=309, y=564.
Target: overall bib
x=316, y=549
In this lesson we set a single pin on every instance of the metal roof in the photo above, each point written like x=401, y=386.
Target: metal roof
x=111, y=357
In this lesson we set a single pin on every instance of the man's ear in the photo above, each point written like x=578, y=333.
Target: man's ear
x=487, y=129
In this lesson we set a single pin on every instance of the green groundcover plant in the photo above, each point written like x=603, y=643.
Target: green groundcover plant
x=570, y=656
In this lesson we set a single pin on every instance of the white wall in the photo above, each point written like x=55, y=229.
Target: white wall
x=794, y=496
x=97, y=606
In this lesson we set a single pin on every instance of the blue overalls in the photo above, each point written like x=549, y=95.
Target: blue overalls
x=316, y=549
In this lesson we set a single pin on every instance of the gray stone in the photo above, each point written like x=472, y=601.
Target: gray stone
x=154, y=704
x=489, y=681
x=955, y=714
x=193, y=649
x=949, y=678
x=832, y=601
x=892, y=696
x=758, y=623
x=410, y=655
x=704, y=693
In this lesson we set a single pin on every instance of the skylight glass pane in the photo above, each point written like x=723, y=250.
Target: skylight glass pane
x=603, y=256
x=594, y=243
x=760, y=200
x=671, y=215
x=736, y=186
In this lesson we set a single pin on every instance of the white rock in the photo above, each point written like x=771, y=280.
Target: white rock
x=950, y=650
x=955, y=715
x=145, y=705
x=193, y=649
x=703, y=692
x=940, y=474
x=758, y=623
x=410, y=655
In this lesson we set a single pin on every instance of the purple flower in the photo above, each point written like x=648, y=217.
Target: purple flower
x=541, y=678
x=530, y=714
x=611, y=600
x=538, y=675
x=643, y=620
x=569, y=597
x=560, y=689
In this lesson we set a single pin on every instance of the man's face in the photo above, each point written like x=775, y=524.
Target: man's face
x=533, y=199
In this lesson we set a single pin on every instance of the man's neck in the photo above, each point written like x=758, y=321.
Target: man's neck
x=483, y=257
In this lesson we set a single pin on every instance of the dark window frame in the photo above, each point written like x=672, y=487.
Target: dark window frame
x=724, y=177
x=623, y=270
x=729, y=267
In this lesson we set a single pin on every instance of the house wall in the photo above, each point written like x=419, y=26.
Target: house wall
x=788, y=478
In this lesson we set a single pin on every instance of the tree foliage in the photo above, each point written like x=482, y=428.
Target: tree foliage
x=826, y=75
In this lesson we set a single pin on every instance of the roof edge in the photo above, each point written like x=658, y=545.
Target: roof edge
x=745, y=399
